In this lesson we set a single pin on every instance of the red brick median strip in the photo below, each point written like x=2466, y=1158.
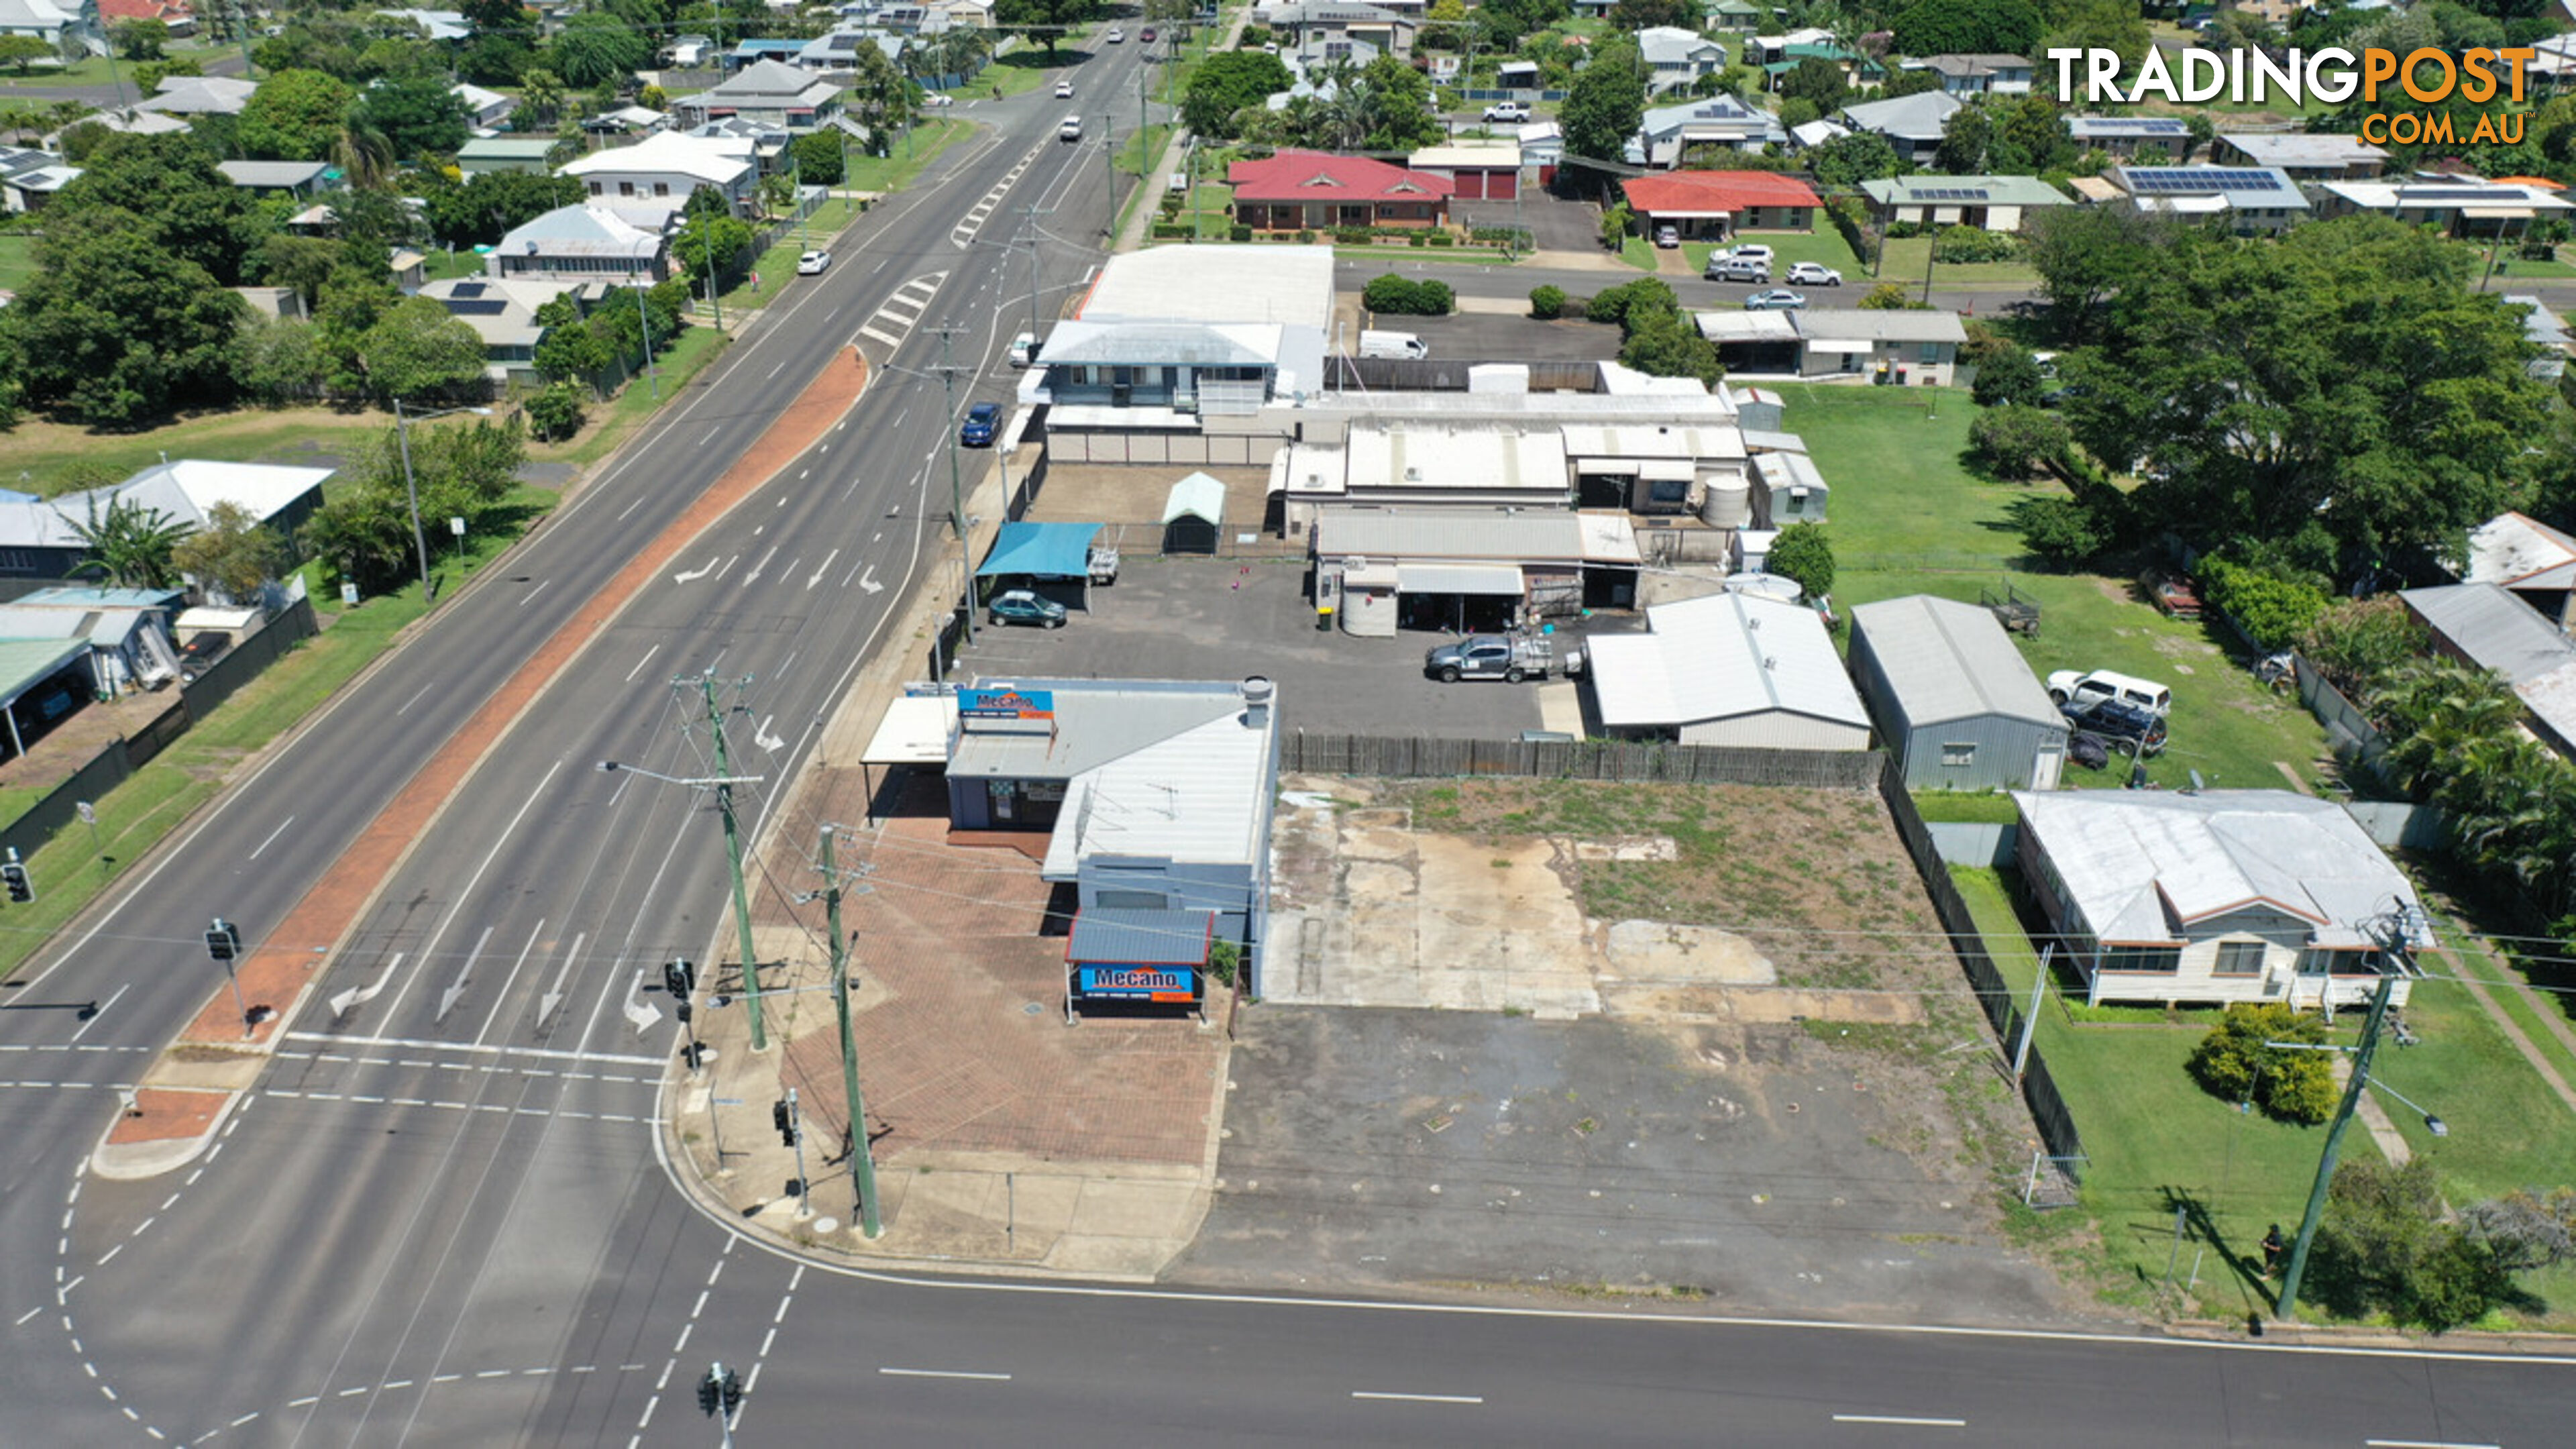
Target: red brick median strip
x=277, y=974
x=161, y=1113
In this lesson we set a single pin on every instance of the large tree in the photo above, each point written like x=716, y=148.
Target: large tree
x=1853, y=159
x=1960, y=27
x=1042, y=20
x=417, y=115
x=233, y=555
x=364, y=524
x=1608, y=99
x=416, y=350
x=1227, y=83
x=491, y=203
x=2105, y=24
x=594, y=47
x=1397, y=104
x=118, y=330
x=1966, y=138
x=2342, y=376
x=169, y=187
x=2086, y=254
x=295, y=115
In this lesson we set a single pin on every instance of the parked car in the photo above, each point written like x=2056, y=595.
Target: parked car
x=1723, y=268
x=1512, y=111
x=1064, y=90
x=2176, y=594
x=1668, y=236
x=1779, y=299
x=201, y=651
x=2068, y=687
x=1019, y=606
x=1508, y=657
x=936, y=99
x=981, y=421
x=812, y=264
x=1754, y=251
x=2119, y=726
x=1024, y=349
x=1813, y=274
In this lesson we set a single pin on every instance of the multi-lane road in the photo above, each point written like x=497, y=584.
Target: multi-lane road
x=441, y=1217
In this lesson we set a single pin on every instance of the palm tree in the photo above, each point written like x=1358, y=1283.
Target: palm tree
x=364, y=154
x=129, y=545
x=541, y=94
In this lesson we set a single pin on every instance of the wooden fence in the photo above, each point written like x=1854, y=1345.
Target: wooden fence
x=1415, y=757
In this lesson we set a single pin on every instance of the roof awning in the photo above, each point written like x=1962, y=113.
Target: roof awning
x=1369, y=576
x=1041, y=550
x=2496, y=213
x=1666, y=469
x=1458, y=579
x=913, y=732
x=1838, y=344
x=1693, y=215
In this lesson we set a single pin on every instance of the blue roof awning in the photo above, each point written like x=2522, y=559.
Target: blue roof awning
x=1042, y=550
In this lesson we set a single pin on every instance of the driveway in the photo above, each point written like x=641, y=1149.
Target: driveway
x=1555, y=224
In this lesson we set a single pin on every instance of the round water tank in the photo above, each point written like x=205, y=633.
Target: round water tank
x=1729, y=503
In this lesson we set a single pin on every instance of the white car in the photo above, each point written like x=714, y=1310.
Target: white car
x=933, y=100
x=1024, y=349
x=2068, y=686
x=1507, y=111
x=1115, y=35
x=1746, y=252
x=1813, y=274
x=1064, y=90
x=812, y=264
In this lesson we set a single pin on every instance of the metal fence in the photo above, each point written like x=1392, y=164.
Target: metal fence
x=1401, y=757
x=61, y=805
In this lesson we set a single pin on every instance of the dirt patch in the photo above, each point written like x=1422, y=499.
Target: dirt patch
x=1816, y=880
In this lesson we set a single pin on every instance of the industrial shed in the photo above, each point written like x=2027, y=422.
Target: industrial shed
x=1953, y=697
x=1729, y=669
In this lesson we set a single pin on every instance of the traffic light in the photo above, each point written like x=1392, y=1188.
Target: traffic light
x=21, y=889
x=784, y=1118
x=683, y=1010
x=223, y=940
x=732, y=1392
x=679, y=978
x=710, y=1393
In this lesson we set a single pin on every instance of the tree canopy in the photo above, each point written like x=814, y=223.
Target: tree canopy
x=1962, y=27
x=416, y=350
x=1853, y=159
x=417, y=115
x=1817, y=81
x=491, y=203
x=593, y=47
x=1226, y=83
x=295, y=115
x=118, y=329
x=1607, y=101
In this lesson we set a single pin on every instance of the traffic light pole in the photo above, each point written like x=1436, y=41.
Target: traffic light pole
x=733, y=861
x=863, y=1165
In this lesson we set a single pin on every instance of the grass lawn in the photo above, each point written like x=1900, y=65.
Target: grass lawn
x=912, y=151
x=90, y=72
x=2509, y=264
x=46, y=452
x=17, y=260
x=1908, y=256
x=1908, y=517
x=1638, y=252
x=443, y=265
x=696, y=348
x=1021, y=71
x=776, y=267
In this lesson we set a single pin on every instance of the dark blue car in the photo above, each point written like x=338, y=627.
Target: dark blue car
x=981, y=420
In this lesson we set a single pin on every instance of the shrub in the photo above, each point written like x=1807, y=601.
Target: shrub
x=1238, y=233
x=1547, y=303
x=1414, y=240
x=1391, y=295
x=2060, y=531
x=555, y=410
x=1305, y=238
x=1578, y=308
x=1804, y=552
x=1890, y=297
x=1615, y=304
x=1970, y=244
x=2007, y=375
x=1165, y=230
x=2274, y=609
x=1443, y=239
x=1352, y=236
x=2015, y=442
x=1434, y=299
x=2233, y=1063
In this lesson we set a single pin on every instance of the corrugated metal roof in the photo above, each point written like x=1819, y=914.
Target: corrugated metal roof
x=1947, y=660
x=1223, y=283
x=1865, y=324
x=1192, y=794
x=1471, y=458
x=2141, y=864
x=2510, y=547
x=1722, y=657
x=26, y=663
x=1644, y=440
x=2495, y=629
x=1093, y=725
x=1105, y=934
x=1197, y=496
x=1454, y=533
x=1163, y=344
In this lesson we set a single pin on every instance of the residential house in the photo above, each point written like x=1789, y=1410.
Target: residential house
x=1477, y=170
x=1390, y=30
x=752, y=51
x=1677, y=58
x=1979, y=74
x=689, y=52
x=1808, y=135
x=1953, y=698
x=2545, y=330
x=1908, y=348
x=839, y=50
x=1667, y=136
x=1728, y=669
x=1782, y=55
x=2217, y=897
x=1912, y=124
x=2301, y=155
x=2250, y=199
x=440, y=25
x=126, y=120
x=1712, y=205
x=1733, y=17
x=669, y=165
x=29, y=179
x=39, y=545
x=2461, y=205
x=51, y=21
x=1453, y=570
x=2529, y=559
x=624, y=124
x=408, y=268
x=1996, y=203
x=1156, y=798
x=770, y=92
x=503, y=313
x=2493, y=627
x=483, y=109
x=1313, y=190
x=128, y=631
x=198, y=95
x=303, y=180
x=525, y=154
x=2121, y=137
x=586, y=243
x=1766, y=49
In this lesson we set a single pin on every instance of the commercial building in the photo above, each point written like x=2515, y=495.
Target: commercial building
x=1458, y=569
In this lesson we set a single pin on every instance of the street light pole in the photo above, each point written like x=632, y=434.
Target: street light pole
x=863, y=1165
x=2287, y=1307
x=411, y=489
x=733, y=862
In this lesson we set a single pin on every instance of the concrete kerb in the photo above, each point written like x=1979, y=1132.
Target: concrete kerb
x=142, y=1158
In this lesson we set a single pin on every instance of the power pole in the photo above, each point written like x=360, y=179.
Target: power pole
x=707, y=253
x=1109, y=172
x=863, y=1164
x=706, y=684
x=956, y=493
x=2287, y=1308
x=1028, y=232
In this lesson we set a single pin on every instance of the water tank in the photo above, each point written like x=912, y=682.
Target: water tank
x=1729, y=503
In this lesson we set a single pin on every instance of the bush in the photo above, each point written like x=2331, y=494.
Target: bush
x=1900, y=230
x=1352, y=236
x=1166, y=230
x=1577, y=308
x=2388, y=1243
x=1547, y=303
x=1305, y=238
x=555, y=411
x=1803, y=552
x=1443, y=239
x=2232, y=1063
x=1890, y=297
x=1238, y=233
x=2007, y=375
x=1615, y=304
x=2015, y=442
x=1395, y=296
x=2060, y=531
x=2274, y=609
x=1971, y=244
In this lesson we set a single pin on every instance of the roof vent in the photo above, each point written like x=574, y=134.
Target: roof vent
x=1256, y=690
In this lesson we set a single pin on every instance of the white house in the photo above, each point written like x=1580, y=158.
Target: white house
x=1666, y=134
x=198, y=95
x=1677, y=57
x=483, y=109
x=2216, y=897
x=1912, y=124
x=771, y=92
x=667, y=164
x=585, y=243
x=49, y=22
x=1997, y=203
x=1729, y=669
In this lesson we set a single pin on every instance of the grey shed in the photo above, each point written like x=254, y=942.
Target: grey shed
x=1953, y=698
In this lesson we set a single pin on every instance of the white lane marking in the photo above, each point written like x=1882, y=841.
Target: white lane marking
x=728, y=565
x=555, y=994
x=30, y=1313
x=357, y=995
x=415, y=699
x=1900, y=1420
x=782, y=362
x=501, y=997
x=1421, y=1398
x=695, y=574
x=899, y=417
x=532, y=593
x=477, y=1048
x=710, y=437
x=102, y=1011
x=763, y=738
x=631, y=507
x=2422, y=1444
x=905, y=1373
x=272, y=837
x=871, y=331
x=430, y=948
x=756, y=569
x=640, y=663
x=868, y=581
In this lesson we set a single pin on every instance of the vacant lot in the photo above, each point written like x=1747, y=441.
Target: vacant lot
x=1909, y=517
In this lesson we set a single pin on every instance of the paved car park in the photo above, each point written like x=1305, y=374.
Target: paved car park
x=1504, y=338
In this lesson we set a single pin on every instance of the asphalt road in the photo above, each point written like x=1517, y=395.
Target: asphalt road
x=442, y=1217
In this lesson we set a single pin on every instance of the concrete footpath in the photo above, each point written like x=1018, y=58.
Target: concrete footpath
x=1006, y=1140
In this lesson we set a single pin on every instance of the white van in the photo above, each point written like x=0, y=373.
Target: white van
x=1024, y=349
x=1071, y=130
x=2068, y=687
x=1392, y=344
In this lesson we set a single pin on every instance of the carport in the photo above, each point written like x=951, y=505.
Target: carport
x=1055, y=559
x=29, y=668
x=1193, y=515
x=1429, y=593
x=913, y=735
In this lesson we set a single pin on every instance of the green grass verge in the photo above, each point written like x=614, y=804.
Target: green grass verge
x=776, y=267
x=1017, y=73
x=912, y=152
x=1950, y=805
x=2505, y=986
x=631, y=407
x=17, y=261
x=46, y=452
x=1908, y=517
x=1824, y=245
x=443, y=266
x=1638, y=252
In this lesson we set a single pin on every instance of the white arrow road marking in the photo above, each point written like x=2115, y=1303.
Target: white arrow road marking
x=826, y=568
x=763, y=738
x=868, y=581
x=341, y=1003
x=750, y=578
x=642, y=1013
x=695, y=574
x=555, y=994
x=447, y=1003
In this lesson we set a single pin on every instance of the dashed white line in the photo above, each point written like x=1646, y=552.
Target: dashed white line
x=272, y=837
x=532, y=593
x=1421, y=1398
x=640, y=663
x=2422, y=1444
x=910, y=1373
x=1900, y=1421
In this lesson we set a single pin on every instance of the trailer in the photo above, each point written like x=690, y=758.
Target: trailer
x=2016, y=611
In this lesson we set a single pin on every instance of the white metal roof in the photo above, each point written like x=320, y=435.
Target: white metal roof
x=1722, y=657
x=1657, y=440
x=2517, y=551
x=2493, y=628
x=914, y=731
x=1192, y=796
x=1866, y=324
x=1428, y=535
x=1224, y=283
x=1482, y=459
x=699, y=158
x=1197, y=496
x=1468, y=156
x=1947, y=660
x=2140, y=865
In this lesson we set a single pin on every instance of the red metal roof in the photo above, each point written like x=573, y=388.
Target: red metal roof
x=1701, y=191
x=1292, y=176
x=167, y=11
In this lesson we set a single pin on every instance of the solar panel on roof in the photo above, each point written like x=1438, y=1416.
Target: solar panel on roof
x=2460, y=193
x=2192, y=181
x=467, y=289
x=477, y=309
x=1951, y=193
